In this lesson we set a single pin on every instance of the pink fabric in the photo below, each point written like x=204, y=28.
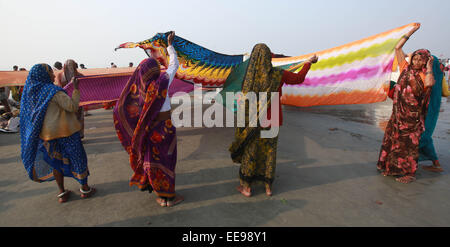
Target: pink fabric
x=106, y=88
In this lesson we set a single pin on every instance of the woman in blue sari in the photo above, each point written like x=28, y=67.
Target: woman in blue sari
x=51, y=147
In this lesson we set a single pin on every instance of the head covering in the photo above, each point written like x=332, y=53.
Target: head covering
x=425, y=54
x=426, y=146
x=38, y=91
x=70, y=71
x=259, y=77
x=139, y=104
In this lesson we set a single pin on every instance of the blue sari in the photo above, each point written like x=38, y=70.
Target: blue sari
x=426, y=146
x=39, y=157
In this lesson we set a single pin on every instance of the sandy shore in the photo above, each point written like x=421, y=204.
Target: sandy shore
x=326, y=176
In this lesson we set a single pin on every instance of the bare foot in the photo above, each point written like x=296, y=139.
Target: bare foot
x=178, y=199
x=161, y=201
x=64, y=197
x=87, y=194
x=405, y=179
x=244, y=191
x=268, y=190
x=433, y=168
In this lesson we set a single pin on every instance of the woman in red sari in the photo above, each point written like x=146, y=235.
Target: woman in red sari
x=399, y=152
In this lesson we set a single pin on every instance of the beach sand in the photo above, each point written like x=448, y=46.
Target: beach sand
x=326, y=176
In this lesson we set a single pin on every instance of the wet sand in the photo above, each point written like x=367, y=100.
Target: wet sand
x=326, y=176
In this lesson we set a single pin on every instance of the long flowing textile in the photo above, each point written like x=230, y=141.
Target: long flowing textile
x=197, y=64
x=151, y=144
x=98, y=89
x=256, y=155
x=399, y=152
x=40, y=158
x=426, y=146
x=355, y=73
x=18, y=78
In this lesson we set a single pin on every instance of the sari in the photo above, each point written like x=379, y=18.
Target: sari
x=151, y=144
x=399, y=152
x=426, y=146
x=39, y=157
x=256, y=155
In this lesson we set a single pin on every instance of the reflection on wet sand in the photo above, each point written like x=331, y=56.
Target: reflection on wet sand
x=376, y=114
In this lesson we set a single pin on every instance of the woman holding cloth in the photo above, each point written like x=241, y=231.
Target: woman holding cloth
x=399, y=152
x=142, y=119
x=50, y=133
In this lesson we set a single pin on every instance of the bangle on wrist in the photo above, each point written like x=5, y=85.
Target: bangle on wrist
x=406, y=37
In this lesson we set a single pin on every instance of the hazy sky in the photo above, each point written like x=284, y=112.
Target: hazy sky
x=46, y=31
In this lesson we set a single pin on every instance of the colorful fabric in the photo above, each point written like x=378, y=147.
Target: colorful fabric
x=399, y=152
x=151, y=144
x=66, y=155
x=355, y=73
x=259, y=77
x=426, y=146
x=39, y=90
x=97, y=90
x=197, y=64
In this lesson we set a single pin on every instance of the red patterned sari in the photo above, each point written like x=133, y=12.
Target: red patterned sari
x=150, y=143
x=399, y=152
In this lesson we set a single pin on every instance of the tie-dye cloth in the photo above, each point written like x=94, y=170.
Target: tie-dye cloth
x=355, y=73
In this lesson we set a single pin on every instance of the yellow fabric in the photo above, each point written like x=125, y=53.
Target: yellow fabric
x=61, y=119
x=445, y=92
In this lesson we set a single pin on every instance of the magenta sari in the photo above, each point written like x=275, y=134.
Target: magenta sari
x=151, y=144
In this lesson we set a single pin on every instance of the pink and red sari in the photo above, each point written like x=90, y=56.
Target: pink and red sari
x=151, y=144
x=399, y=152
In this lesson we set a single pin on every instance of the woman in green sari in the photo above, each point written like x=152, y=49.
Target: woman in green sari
x=257, y=155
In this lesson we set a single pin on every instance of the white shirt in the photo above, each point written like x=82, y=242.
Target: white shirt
x=171, y=71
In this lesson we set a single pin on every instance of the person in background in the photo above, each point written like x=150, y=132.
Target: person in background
x=113, y=65
x=58, y=65
x=51, y=146
x=130, y=65
x=70, y=70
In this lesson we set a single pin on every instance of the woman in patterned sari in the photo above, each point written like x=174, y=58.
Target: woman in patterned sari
x=49, y=133
x=257, y=155
x=143, y=123
x=399, y=152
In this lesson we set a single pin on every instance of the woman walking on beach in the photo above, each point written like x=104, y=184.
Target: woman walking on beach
x=142, y=119
x=399, y=152
x=49, y=133
x=256, y=155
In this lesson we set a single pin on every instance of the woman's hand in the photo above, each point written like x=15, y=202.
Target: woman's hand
x=170, y=38
x=74, y=81
x=430, y=64
x=313, y=59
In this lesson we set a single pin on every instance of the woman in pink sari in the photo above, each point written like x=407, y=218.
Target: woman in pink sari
x=143, y=123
